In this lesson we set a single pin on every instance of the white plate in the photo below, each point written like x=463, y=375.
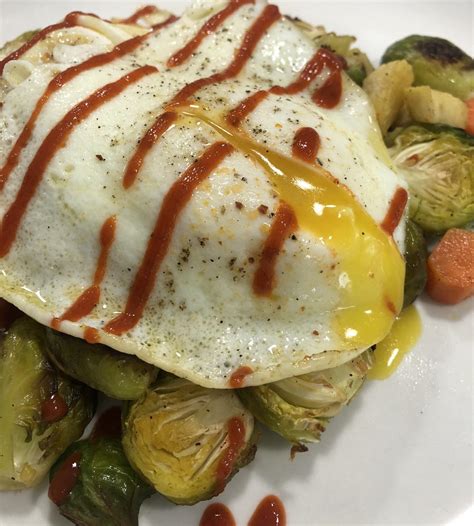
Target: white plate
x=402, y=452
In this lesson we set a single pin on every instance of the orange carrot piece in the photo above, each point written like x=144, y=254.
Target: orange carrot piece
x=451, y=267
x=470, y=116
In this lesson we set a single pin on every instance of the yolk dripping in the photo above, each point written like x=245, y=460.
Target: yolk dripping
x=372, y=271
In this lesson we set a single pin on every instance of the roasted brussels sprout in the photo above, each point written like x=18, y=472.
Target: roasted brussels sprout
x=438, y=164
x=416, y=255
x=436, y=63
x=93, y=484
x=186, y=440
x=41, y=411
x=358, y=64
x=299, y=408
x=118, y=375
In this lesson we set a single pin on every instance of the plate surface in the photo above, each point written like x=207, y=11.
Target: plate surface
x=402, y=452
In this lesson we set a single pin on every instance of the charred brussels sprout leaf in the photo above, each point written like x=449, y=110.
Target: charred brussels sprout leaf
x=103, y=489
x=186, y=440
x=436, y=63
x=118, y=375
x=416, y=255
x=299, y=408
x=41, y=411
x=438, y=165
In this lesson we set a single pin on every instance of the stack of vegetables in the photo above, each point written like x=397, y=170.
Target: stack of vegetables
x=185, y=441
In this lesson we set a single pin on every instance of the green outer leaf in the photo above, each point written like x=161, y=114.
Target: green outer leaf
x=118, y=375
x=416, y=255
x=436, y=63
x=108, y=491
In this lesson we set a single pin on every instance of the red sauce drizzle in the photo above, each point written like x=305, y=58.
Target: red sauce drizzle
x=161, y=125
x=65, y=479
x=270, y=512
x=245, y=108
x=329, y=94
x=144, y=11
x=57, y=83
x=236, y=440
x=395, y=211
x=167, y=22
x=283, y=225
x=217, y=515
x=173, y=204
x=8, y=314
x=90, y=297
x=209, y=27
x=323, y=57
x=166, y=120
x=55, y=140
x=91, y=335
x=238, y=376
x=268, y=17
x=306, y=144
x=34, y=40
x=108, y=425
x=54, y=408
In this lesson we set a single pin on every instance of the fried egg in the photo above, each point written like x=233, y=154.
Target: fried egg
x=211, y=194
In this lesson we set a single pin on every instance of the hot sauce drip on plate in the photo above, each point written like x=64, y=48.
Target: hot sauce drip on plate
x=174, y=202
x=306, y=144
x=209, y=27
x=90, y=297
x=270, y=512
x=65, y=479
x=54, y=408
x=395, y=211
x=236, y=441
x=56, y=139
x=284, y=223
x=217, y=515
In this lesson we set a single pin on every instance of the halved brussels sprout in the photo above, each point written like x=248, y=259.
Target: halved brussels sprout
x=93, y=484
x=416, y=255
x=436, y=63
x=299, y=408
x=118, y=375
x=186, y=440
x=438, y=164
x=41, y=411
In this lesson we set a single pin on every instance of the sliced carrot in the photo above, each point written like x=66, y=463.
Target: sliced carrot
x=470, y=116
x=451, y=267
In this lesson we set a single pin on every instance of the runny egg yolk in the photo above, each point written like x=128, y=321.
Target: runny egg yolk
x=371, y=269
x=390, y=352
